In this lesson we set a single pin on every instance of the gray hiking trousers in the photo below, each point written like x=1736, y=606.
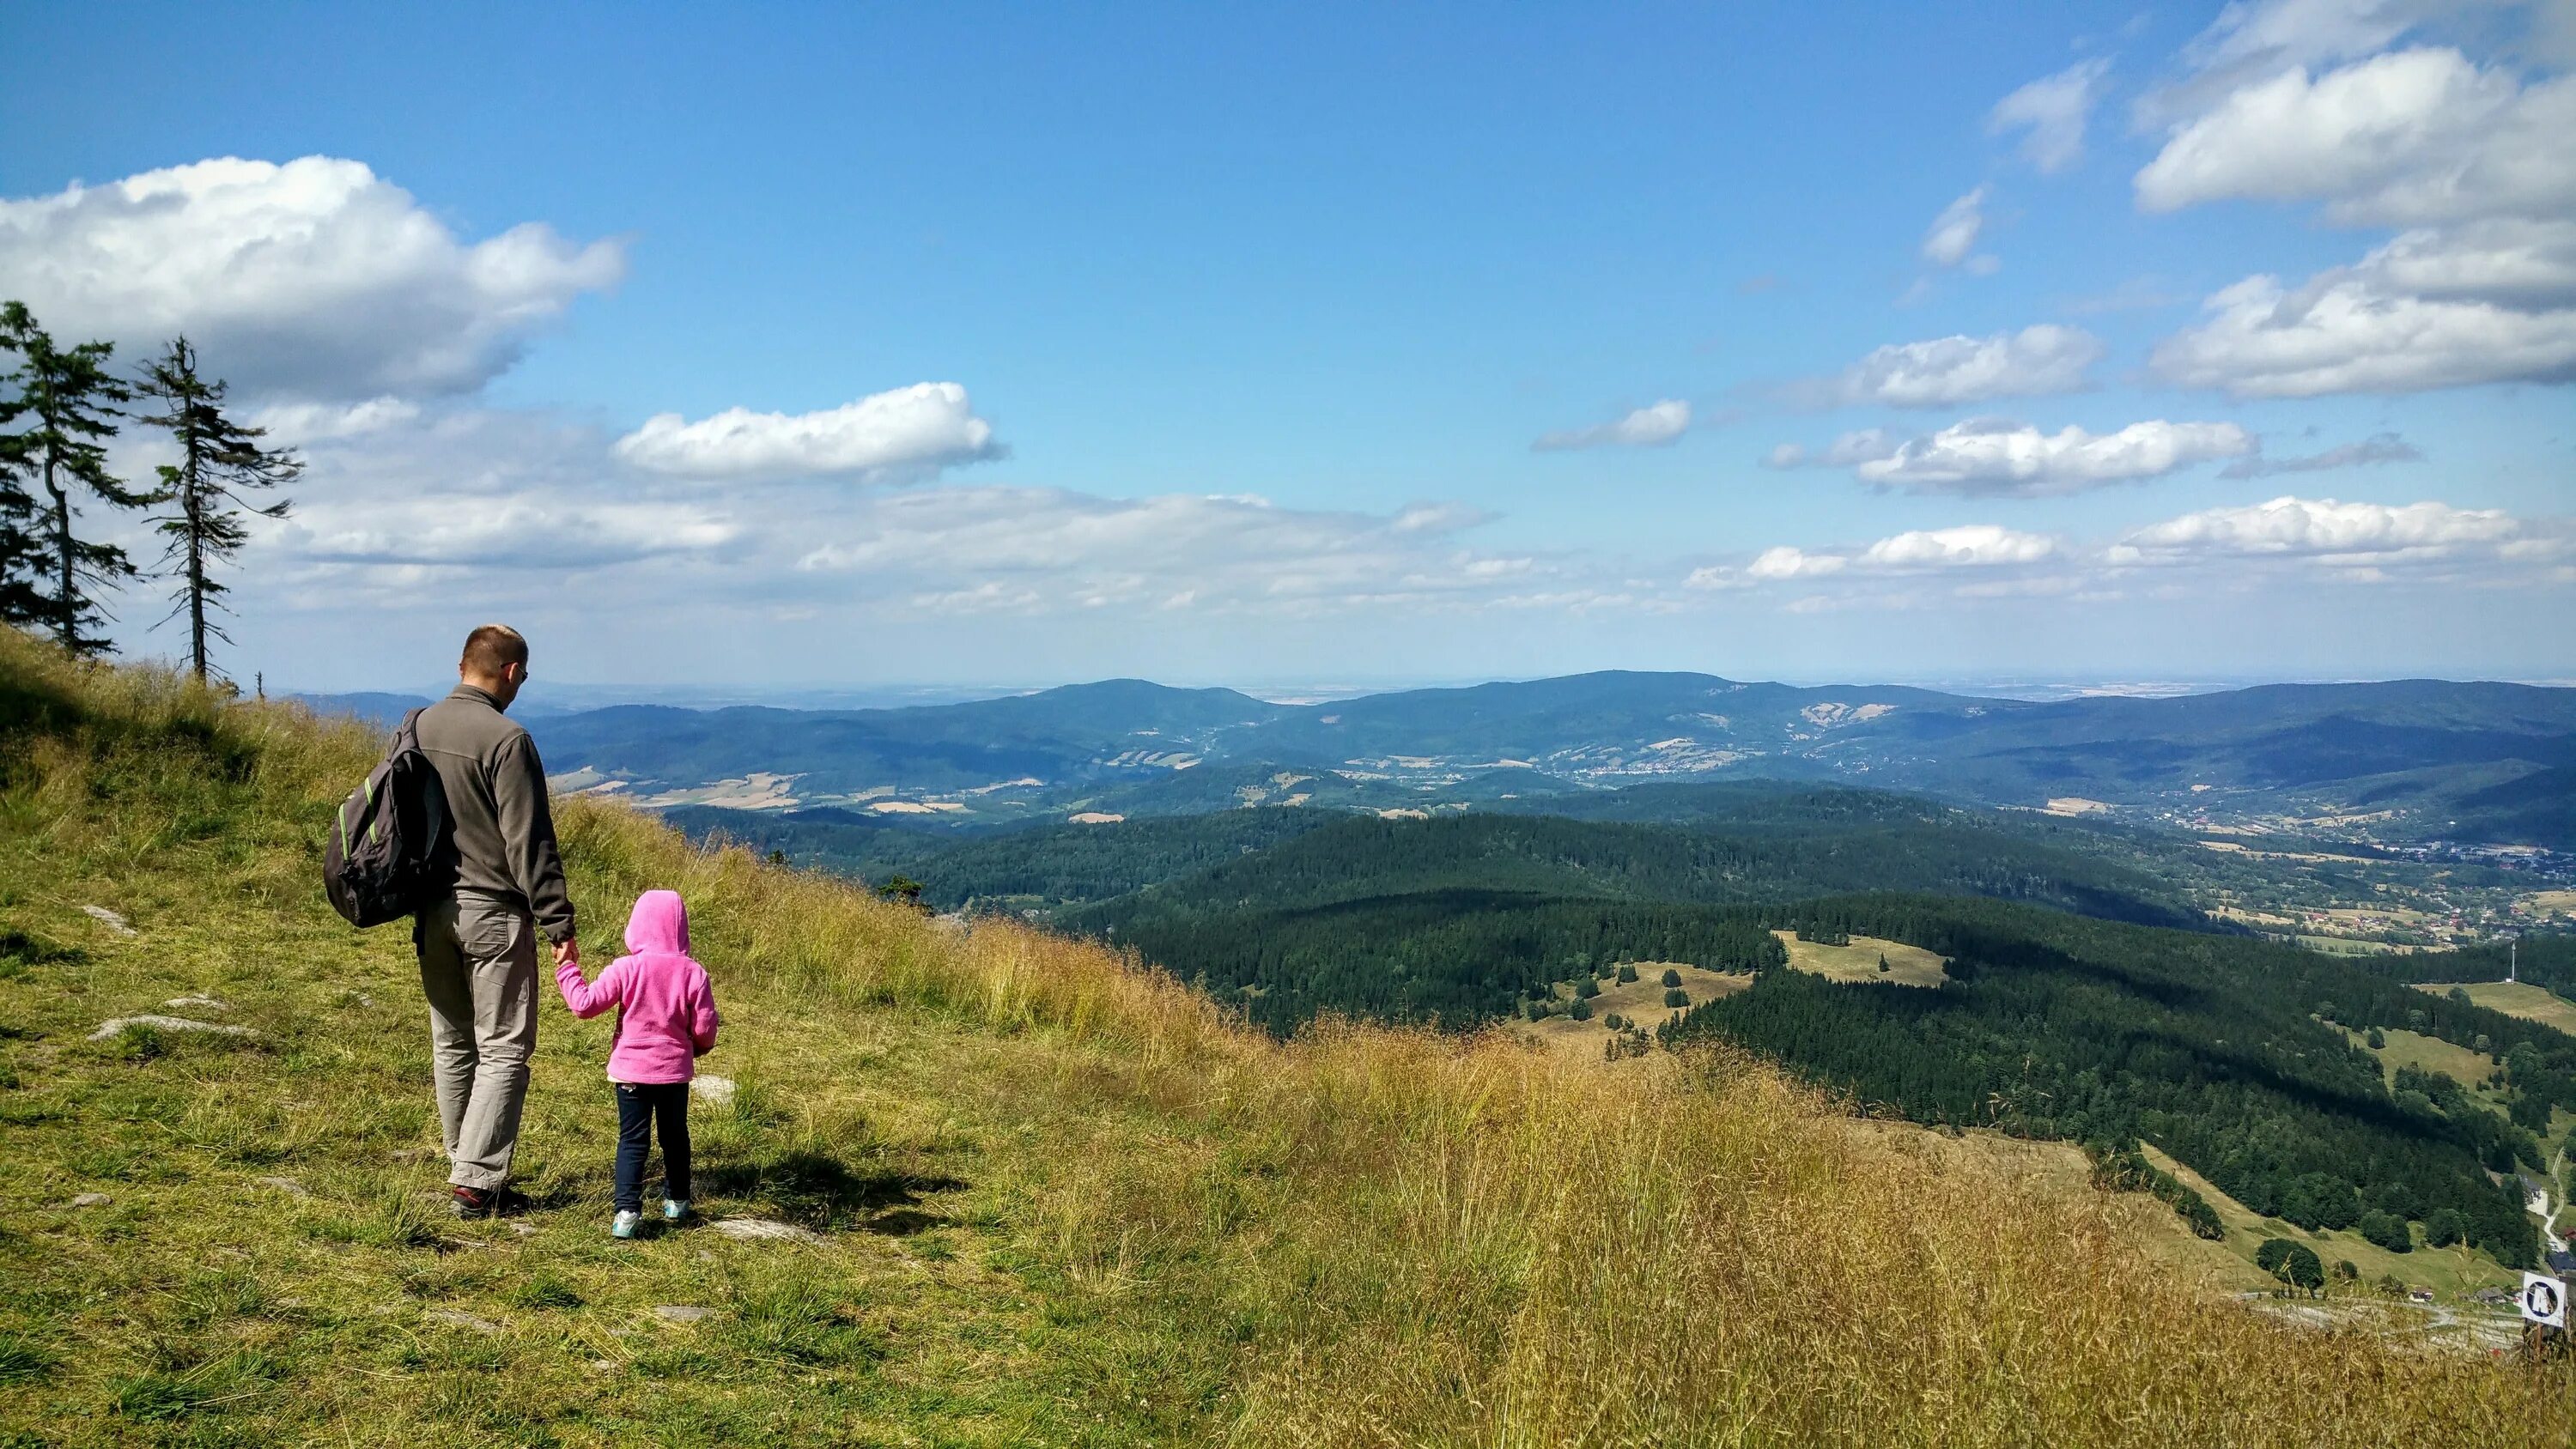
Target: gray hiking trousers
x=478, y=967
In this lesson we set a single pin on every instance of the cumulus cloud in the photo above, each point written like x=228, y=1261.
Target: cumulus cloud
x=1651, y=426
x=1923, y=551
x=1953, y=234
x=2358, y=330
x=2000, y=458
x=314, y=278
x=1952, y=371
x=2473, y=161
x=908, y=431
x=2408, y=138
x=2377, y=448
x=2321, y=530
x=2053, y=110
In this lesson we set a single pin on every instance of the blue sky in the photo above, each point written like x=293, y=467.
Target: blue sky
x=1250, y=324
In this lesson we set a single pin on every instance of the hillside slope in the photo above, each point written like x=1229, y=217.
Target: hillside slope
x=1050, y=1197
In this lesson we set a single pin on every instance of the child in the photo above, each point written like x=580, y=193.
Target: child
x=666, y=1020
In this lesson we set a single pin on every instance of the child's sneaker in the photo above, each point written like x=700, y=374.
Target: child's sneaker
x=625, y=1224
x=674, y=1209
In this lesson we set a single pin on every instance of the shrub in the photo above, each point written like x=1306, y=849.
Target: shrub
x=2445, y=1227
x=1672, y=977
x=1586, y=989
x=1676, y=997
x=1612, y=1021
x=1627, y=974
x=1581, y=1010
x=2272, y=1256
x=2378, y=1038
x=2304, y=1271
x=2345, y=1272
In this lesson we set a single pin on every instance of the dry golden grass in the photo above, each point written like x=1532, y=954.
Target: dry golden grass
x=1182, y=1230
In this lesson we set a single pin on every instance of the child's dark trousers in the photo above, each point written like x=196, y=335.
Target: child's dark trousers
x=639, y=1108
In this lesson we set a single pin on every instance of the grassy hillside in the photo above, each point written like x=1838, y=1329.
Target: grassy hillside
x=1052, y=1198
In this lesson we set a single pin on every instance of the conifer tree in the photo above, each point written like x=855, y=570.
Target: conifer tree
x=219, y=460
x=53, y=421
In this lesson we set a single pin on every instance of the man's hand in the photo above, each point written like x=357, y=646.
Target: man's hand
x=567, y=952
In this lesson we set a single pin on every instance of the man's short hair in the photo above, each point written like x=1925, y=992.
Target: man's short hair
x=493, y=648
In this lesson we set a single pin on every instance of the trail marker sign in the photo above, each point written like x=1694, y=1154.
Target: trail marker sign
x=2544, y=1299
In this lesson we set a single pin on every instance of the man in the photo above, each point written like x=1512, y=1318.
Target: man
x=478, y=939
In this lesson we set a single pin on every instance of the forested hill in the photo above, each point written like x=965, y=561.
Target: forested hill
x=2237, y=1056
x=2416, y=759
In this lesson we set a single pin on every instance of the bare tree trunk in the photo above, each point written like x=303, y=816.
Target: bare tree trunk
x=67, y=618
x=196, y=582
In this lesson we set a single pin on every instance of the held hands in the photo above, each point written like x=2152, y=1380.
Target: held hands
x=567, y=952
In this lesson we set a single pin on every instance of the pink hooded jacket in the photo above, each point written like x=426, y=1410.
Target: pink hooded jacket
x=667, y=1016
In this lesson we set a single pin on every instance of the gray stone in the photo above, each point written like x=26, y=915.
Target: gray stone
x=764, y=1230
x=603, y=1365
x=109, y=919
x=200, y=1000
x=462, y=1320
x=681, y=1312
x=286, y=1185
x=91, y=1200
x=108, y=1029
x=523, y=1229
x=718, y=1091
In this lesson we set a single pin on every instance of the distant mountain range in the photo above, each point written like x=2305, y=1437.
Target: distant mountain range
x=2406, y=760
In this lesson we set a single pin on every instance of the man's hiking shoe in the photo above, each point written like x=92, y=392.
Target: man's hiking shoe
x=488, y=1202
x=674, y=1209
x=624, y=1224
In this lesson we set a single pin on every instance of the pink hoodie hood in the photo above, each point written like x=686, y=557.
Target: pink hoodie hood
x=660, y=925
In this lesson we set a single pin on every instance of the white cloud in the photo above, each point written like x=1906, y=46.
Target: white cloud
x=1785, y=562
x=2352, y=331
x=1974, y=545
x=1999, y=458
x=911, y=430
x=2409, y=138
x=1650, y=426
x=2378, y=448
x=1953, y=371
x=2322, y=530
x=1953, y=233
x=2054, y=110
x=315, y=278
x=1911, y=554
x=305, y=423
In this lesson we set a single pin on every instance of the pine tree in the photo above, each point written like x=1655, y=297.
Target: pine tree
x=219, y=459
x=51, y=431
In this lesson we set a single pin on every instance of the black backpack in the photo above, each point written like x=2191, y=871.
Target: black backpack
x=380, y=863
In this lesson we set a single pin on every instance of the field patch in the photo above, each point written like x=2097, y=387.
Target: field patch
x=1906, y=965
x=1640, y=1001
x=2516, y=998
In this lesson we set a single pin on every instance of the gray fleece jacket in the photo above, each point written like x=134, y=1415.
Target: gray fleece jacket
x=503, y=836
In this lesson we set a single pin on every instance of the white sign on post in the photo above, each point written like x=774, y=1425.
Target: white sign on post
x=2544, y=1299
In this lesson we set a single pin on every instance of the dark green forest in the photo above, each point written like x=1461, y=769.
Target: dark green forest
x=2088, y=1000
x=2222, y=1050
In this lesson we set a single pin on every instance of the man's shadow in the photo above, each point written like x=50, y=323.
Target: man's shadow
x=823, y=1193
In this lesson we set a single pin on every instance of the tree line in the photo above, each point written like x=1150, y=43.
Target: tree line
x=59, y=407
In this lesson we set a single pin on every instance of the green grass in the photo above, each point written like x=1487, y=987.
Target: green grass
x=2517, y=998
x=1060, y=1199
